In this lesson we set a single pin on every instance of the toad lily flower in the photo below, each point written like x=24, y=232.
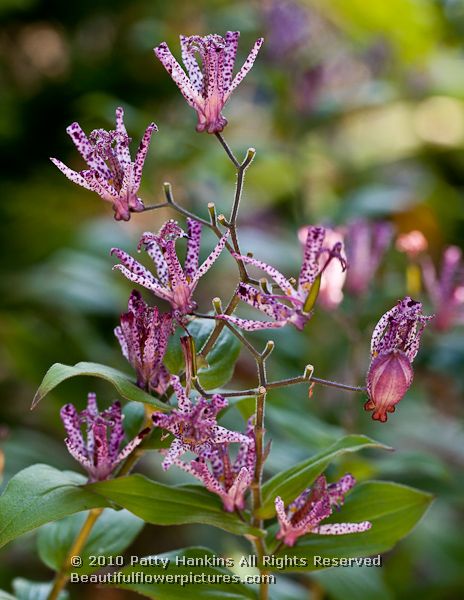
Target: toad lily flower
x=301, y=298
x=143, y=336
x=446, y=289
x=209, y=83
x=228, y=480
x=194, y=426
x=365, y=245
x=394, y=345
x=174, y=283
x=112, y=174
x=311, y=507
x=100, y=454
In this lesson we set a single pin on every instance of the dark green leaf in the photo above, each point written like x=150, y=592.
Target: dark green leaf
x=206, y=591
x=352, y=583
x=392, y=509
x=291, y=482
x=58, y=373
x=166, y=505
x=112, y=533
x=40, y=494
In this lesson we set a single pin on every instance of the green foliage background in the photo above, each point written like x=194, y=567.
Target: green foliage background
x=355, y=109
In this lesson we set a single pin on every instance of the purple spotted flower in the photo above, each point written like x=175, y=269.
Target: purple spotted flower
x=111, y=173
x=446, y=289
x=312, y=506
x=99, y=454
x=194, y=425
x=301, y=298
x=143, y=335
x=229, y=479
x=174, y=283
x=394, y=345
x=365, y=245
x=209, y=84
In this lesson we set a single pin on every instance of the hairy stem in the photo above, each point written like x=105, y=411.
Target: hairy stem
x=62, y=576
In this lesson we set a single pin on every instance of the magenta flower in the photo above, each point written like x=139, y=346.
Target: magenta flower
x=446, y=289
x=365, y=245
x=301, y=298
x=312, y=506
x=99, y=454
x=111, y=174
x=194, y=425
x=394, y=345
x=209, y=83
x=174, y=283
x=143, y=335
x=229, y=479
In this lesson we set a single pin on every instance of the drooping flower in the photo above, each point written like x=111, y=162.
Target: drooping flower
x=174, y=283
x=333, y=279
x=111, y=174
x=99, y=454
x=365, y=246
x=209, y=84
x=194, y=425
x=229, y=479
x=446, y=289
x=394, y=345
x=312, y=506
x=143, y=335
x=301, y=298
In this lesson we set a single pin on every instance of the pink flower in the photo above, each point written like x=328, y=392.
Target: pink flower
x=194, y=426
x=111, y=174
x=229, y=479
x=446, y=289
x=394, y=345
x=412, y=243
x=99, y=454
x=174, y=283
x=300, y=297
x=312, y=506
x=365, y=246
x=143, y=335
x=209, y=83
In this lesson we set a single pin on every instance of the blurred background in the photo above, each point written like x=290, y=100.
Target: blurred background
x=356, y=110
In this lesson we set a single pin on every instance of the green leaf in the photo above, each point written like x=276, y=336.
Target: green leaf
x=221, y=359
x=58, y=373
x=34, y=590
x=166, y=505
x=352, y=583
x=169, y=591
x=112, y=533
x=6, y=596
x=393, y=510
x=135, y=421
x=40, y=494
x=290, y=483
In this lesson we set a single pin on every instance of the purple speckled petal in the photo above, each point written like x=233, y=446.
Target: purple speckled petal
x=189, y=60
x=86, y=149
x=249, y=325
x=193, y=248
x=208, y=263
x=73, y=176
x=310, y=266
x=142, y=153
x=276, y=275
x=245, y=68
x=342, y=528
x=122, y=149
x=171, y=65
x=230, y=54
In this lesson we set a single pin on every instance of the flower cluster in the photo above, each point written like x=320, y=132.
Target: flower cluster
x=174, y=283
x=111, y=174
x=99, y=454
x=228, y=479
x=209, y=84
x=301, y=298
x=143, y=335
x=312, y=506
x=394, y=345
x=194, y=425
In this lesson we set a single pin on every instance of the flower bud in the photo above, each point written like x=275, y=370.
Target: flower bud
x=388, y=380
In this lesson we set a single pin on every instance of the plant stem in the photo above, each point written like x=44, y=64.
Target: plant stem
x=63, y=575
